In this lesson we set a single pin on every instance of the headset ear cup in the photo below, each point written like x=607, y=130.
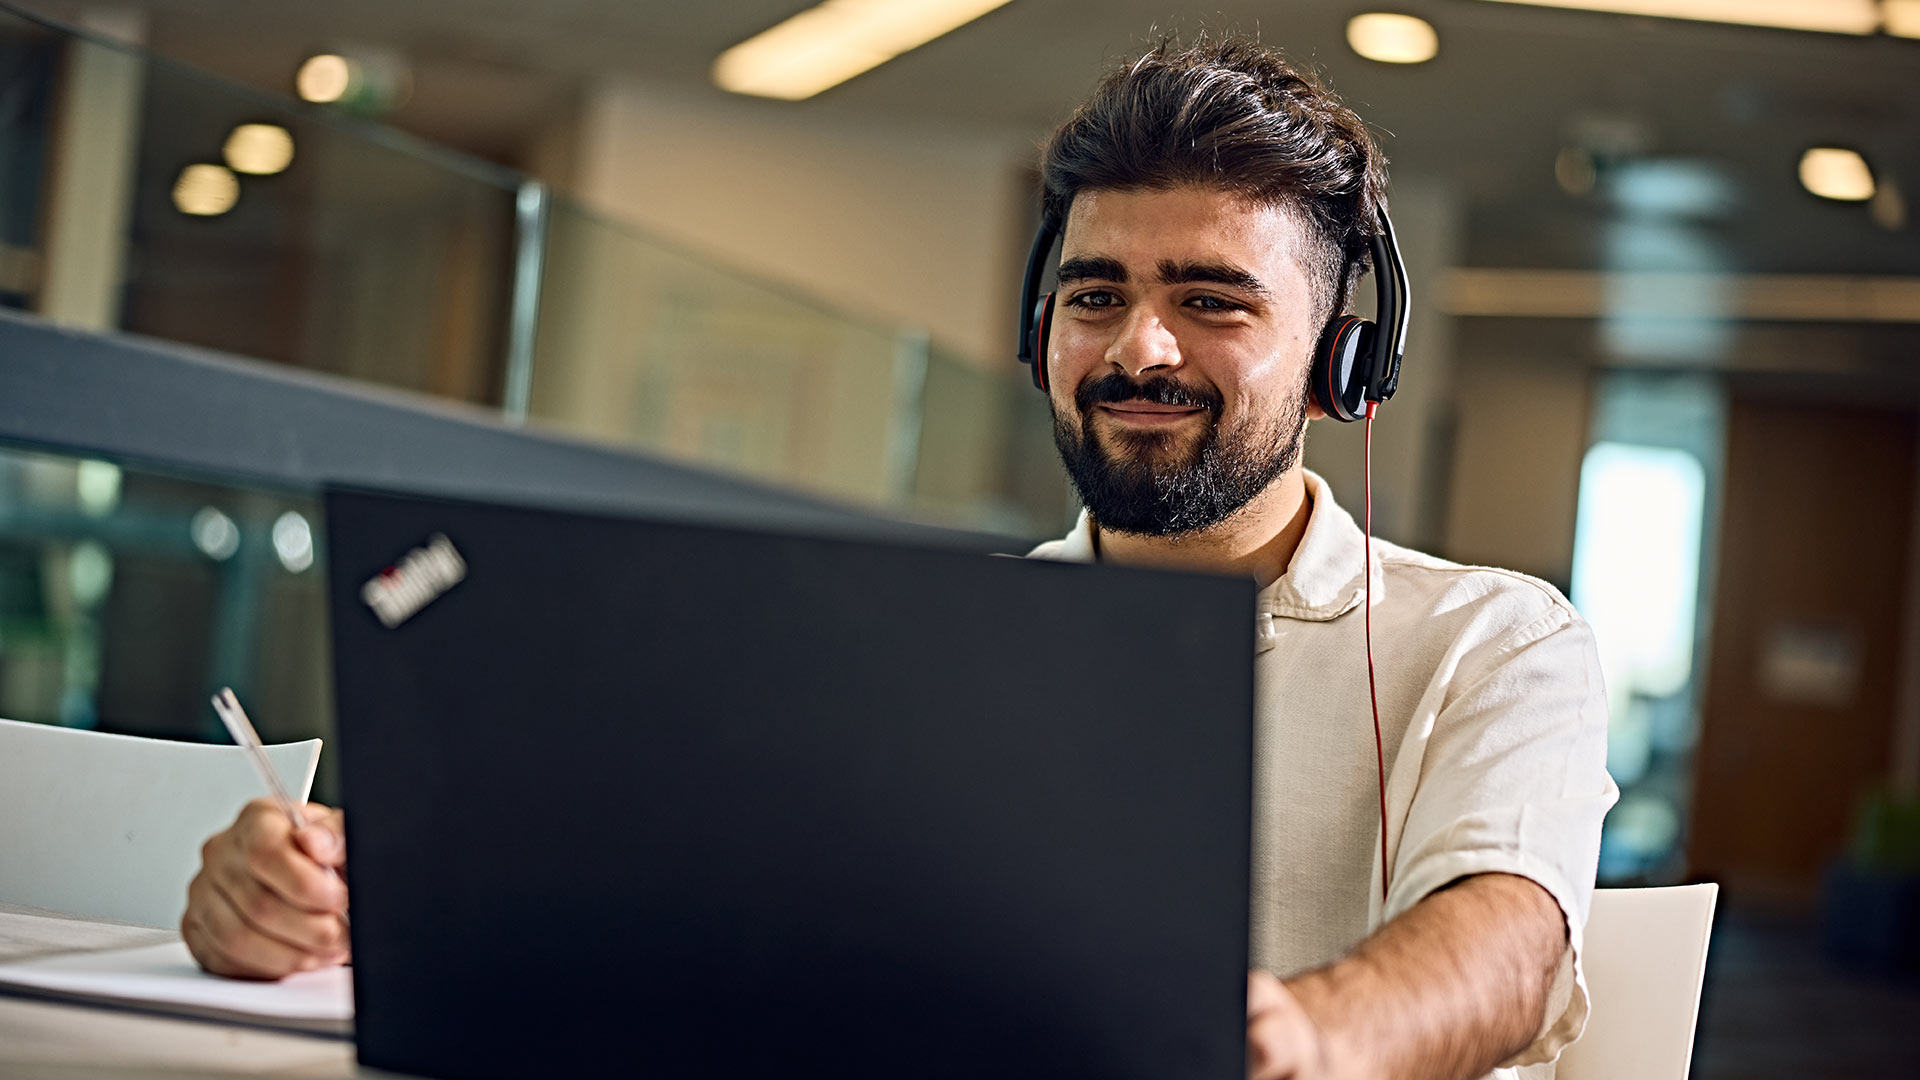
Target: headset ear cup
x=1042, y=325
x=1340, y=369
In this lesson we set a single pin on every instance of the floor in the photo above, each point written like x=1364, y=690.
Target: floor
x=1774, y=1006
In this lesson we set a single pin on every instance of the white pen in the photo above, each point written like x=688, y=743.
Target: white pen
x=235, y=717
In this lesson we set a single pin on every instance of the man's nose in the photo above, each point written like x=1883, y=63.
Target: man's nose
x=1143, y=342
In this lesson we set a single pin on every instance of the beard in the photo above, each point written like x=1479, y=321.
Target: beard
x=1170, y=483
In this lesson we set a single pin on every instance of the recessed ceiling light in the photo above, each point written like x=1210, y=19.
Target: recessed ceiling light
x=1833, y=16
x=206, y=190
x=324, y=78
x=1392, y=39
x=214, y=533
x=1902, y=16
x=1832, y=172
x=828, y=44
x=293, y=541
x=259, y=149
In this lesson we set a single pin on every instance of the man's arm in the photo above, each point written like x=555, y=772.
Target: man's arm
x=1447, y=991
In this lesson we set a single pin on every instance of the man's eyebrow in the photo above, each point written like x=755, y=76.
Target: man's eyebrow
x=1093, y=267
x=1182, y=273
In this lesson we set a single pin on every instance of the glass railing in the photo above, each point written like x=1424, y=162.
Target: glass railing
x=643, y=344
x=378, y=257
x=126, y=592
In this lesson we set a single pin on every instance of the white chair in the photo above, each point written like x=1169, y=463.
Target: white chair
x=1646, y=952
x=110, y=826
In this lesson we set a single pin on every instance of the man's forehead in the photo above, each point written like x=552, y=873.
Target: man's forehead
x=1181, y=223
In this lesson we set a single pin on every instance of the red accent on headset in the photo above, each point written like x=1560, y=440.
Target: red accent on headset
x=1040, y=329
x=1333, y=350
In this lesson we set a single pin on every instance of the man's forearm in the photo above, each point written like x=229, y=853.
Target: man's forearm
x=1447, y=991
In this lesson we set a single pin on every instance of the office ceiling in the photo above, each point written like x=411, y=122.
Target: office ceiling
x=1703, y=123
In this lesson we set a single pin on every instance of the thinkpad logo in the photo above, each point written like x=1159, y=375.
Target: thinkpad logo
x=397, y=593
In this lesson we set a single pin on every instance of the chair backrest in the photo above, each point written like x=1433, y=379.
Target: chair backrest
x=110, y=826
x=1646, y=951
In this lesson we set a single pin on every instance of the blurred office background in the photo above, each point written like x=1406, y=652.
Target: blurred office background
x=1665, y=354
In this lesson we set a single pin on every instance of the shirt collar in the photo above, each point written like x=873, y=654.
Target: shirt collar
x=1322, y=581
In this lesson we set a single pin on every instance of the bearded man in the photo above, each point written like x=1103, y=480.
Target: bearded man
x=1216, y=210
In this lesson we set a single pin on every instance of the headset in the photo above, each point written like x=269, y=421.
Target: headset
x=1356, y=366
x=1356, y=360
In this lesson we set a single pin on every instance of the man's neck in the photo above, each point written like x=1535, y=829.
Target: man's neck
x=1258, y=542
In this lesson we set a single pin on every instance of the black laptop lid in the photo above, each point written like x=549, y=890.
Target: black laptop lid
x=681, y=801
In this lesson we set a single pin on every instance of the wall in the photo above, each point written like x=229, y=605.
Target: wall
x=905, y=225
x=1519, y=431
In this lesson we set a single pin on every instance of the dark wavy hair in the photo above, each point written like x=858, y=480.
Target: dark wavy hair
x=1229, y=112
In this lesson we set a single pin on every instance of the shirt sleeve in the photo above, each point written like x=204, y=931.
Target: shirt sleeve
x=1514, y=780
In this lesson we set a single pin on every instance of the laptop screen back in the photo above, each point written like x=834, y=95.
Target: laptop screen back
x=686, y=801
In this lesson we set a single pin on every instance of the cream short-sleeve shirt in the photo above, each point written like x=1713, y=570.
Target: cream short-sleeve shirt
x=1494, y=723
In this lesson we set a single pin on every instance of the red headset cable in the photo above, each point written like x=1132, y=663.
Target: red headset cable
x=1373, y=694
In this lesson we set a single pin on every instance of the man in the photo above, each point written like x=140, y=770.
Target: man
x=1216, y=210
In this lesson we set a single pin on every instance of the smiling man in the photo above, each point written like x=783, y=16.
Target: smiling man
x=1216, y=209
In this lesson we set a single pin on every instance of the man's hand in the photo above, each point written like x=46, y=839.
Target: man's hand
x=1282, y=1041
x=269, y=899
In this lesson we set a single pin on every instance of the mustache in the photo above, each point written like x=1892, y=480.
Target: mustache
x=1156, y=390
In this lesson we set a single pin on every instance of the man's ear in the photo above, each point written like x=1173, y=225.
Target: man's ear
x=1314, y=411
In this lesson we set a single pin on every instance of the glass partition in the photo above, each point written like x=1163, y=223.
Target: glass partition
x=985, y=451
x=361, y=258
x=643, y=344
x=137, y=195
x=128, y=596
x=355, y=250
x=143, y=196
x=29, y=60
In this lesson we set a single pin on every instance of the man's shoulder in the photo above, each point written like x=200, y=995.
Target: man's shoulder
x=1491, y=597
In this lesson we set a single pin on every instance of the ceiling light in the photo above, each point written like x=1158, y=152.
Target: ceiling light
x=1833, y=173
x=293, y=541
x=214, y=533
x=1392, y=39
x=89, y=572
x=1833, y=16
x=97, y=485
x=259, y=149
x=826, y=45
x=1903, y=17
x=324, y=78
x=206, y=190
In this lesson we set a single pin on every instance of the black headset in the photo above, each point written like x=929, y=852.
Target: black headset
x=1354, y=362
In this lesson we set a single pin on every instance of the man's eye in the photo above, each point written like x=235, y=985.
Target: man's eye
x=1095, y=298
x=1213, y=303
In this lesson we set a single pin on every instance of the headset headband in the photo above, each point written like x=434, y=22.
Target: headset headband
x=1390, y=286
x=1030, y=287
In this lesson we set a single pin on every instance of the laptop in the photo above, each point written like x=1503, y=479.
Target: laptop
x=681, y=801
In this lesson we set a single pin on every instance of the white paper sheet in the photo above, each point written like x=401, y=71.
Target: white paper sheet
x=164, y=978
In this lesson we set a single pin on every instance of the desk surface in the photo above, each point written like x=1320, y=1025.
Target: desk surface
x=42, y=1040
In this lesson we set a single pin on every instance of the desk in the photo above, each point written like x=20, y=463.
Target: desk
x=41, y=1040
